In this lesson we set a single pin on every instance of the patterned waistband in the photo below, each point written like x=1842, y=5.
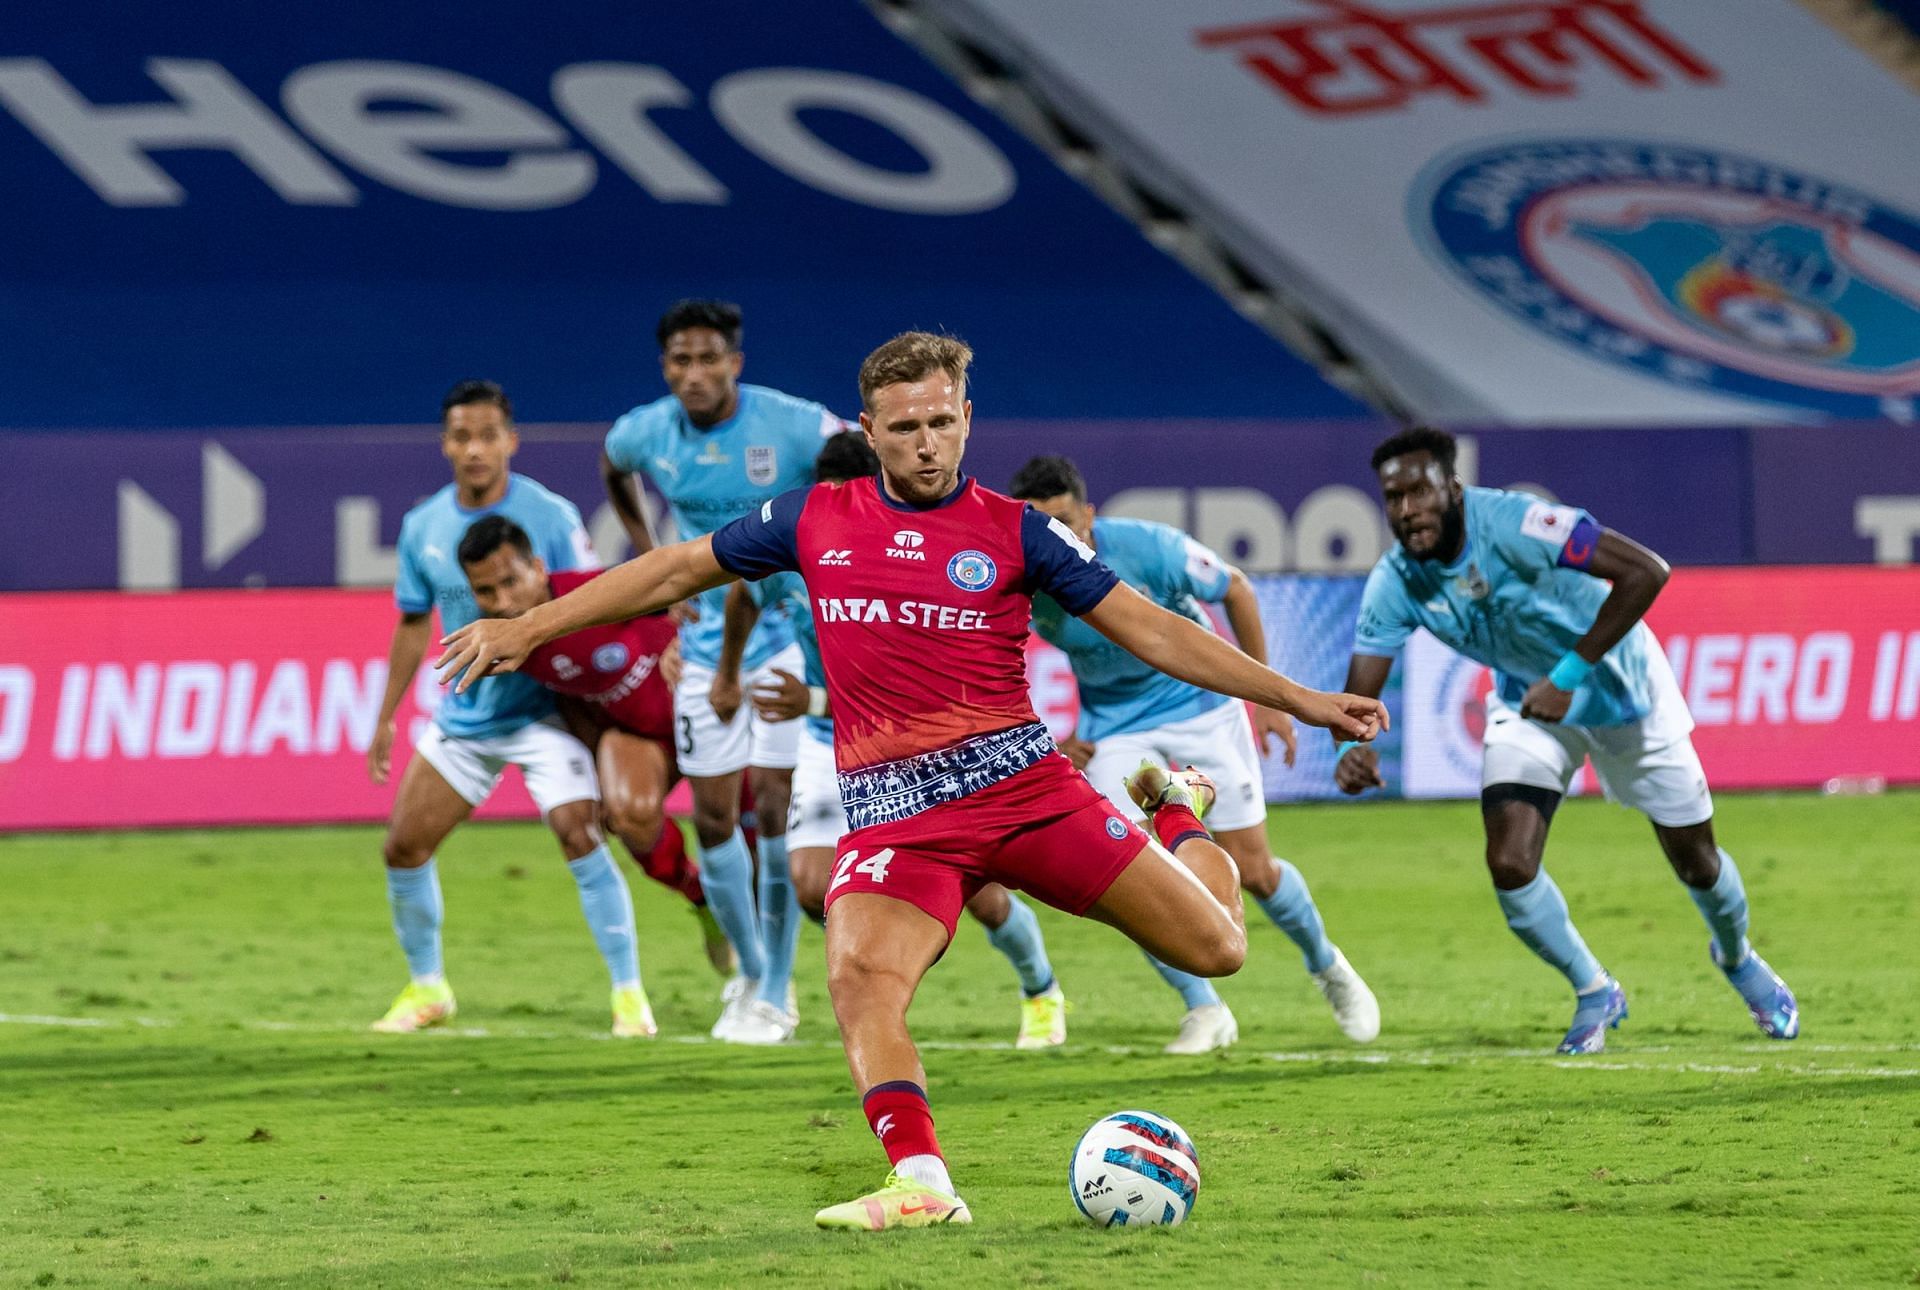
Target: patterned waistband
x=894, y=790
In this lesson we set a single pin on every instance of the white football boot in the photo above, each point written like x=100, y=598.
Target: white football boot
x=734, y=998
x=762, y=1024
x=1204, y=1029
x=1354, y=1008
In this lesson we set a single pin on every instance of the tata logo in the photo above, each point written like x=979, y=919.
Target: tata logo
x=367, y=119
x=906, y=546
x=1702, y=268
x=843, y=558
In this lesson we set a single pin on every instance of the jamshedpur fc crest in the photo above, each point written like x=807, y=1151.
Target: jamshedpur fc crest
x=1704, y=268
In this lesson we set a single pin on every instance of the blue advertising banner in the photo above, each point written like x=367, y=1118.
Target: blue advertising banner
x=314, y=507
x=330, y=219
x=1844, y=498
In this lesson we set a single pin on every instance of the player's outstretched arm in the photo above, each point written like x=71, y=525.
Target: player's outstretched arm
x=1637, y=575
x=643, y=585
x=1358, y=768
x=1189, y=652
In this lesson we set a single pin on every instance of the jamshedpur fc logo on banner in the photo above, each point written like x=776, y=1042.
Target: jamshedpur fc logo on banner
x=1702, y=267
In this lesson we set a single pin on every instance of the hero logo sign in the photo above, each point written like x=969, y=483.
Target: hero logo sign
x=519, y=157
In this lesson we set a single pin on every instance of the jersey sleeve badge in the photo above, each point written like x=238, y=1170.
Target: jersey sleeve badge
x=1549, y=523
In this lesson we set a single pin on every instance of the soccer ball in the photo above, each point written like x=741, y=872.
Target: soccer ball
x=1135, y=1168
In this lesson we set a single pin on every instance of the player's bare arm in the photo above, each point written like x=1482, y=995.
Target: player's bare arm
x=643, y=585
x=1189, y=652
x=411, y=636
x=623, y=490
x=736, y=626
x=1242, y=605
x=1359, y=767
x=1637, y=575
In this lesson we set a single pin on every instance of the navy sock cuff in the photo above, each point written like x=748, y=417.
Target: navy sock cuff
x=896, y=1086
x=1181, y=839
x=1035, y=994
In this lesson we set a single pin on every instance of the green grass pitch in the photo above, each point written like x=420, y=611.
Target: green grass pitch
x=188, y=1095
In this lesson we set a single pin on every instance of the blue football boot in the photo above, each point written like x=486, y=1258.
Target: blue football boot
x=1771, y=1003
x=1594, y=1014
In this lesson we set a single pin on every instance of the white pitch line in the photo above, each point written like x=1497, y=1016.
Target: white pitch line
x=33, y=1019
x=1350, y=1057
x=1704, y=1068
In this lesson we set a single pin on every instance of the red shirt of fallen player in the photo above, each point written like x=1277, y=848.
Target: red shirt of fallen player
x=616, y=668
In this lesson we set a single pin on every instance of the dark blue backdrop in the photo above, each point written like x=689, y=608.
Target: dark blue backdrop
x=237, y=307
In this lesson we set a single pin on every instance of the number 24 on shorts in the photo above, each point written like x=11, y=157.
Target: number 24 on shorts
x=874, y=866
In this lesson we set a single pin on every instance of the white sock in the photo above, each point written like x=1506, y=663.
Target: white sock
x=928, y=1171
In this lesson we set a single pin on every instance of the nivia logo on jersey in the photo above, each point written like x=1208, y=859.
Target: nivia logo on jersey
x=1699, y=267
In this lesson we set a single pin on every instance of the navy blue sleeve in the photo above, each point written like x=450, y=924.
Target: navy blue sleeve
x=763, y=541
x=1061, y=565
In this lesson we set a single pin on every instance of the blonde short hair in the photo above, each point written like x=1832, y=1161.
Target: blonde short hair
x=914, y=356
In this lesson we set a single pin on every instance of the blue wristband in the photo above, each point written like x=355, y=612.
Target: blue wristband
x=1345, y=747
x=1569, y=672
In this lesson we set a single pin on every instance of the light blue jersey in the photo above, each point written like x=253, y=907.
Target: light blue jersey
x=430, y=575
x=786, y=590
x=713, y=476
x=1515, y=600
x=1119, y=694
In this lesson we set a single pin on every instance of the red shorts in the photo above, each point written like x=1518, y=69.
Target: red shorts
x=1045, y=831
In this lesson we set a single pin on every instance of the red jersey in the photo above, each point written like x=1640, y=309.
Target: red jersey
x=922, y=614
x=615, y=667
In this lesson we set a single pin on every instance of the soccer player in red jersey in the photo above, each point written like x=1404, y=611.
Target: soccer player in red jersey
x=614, y=671
x=922, y=581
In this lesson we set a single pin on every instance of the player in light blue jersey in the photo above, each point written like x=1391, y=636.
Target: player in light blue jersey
x=1130, y=713
x=506, y=720
x=715, y=449
x=816, y=820
x=1520, y=584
